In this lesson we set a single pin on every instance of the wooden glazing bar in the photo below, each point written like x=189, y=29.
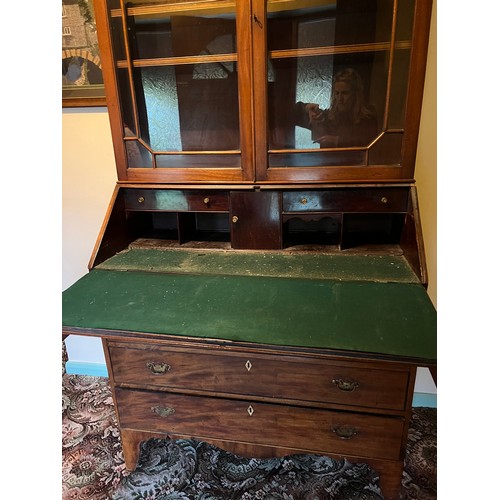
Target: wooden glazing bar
x=198, y=153
x=177, y=61
x=315, y=150
x=339, y=49
x=188, y=8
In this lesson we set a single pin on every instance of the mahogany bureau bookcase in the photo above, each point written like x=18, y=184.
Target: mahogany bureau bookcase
x=259, y=281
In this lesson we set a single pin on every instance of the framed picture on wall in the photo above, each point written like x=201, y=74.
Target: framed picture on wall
x=82, y=81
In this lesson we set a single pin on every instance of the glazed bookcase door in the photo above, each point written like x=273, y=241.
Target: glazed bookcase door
x=310, y=52
x=178, y=87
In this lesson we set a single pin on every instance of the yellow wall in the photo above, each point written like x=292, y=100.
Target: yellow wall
x=88, y=179
x=426, y=163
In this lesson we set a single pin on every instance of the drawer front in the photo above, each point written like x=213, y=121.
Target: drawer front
x=317, y=431
x=176, y=200
x=286, y=377
x=347, y=200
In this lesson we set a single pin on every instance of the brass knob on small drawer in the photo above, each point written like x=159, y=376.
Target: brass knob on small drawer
x=303, y=201
x=158, y=368
x=346, y=385
x=235, y=219
x=140, y=199
x=345, y=431
x=384, y=200
x=206, y=200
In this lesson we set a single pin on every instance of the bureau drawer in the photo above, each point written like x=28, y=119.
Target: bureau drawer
x=317, y=431
x=281, y=376
x=176, y=200
x=347, y=200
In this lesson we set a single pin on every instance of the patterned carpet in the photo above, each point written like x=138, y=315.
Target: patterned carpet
x=93, y=467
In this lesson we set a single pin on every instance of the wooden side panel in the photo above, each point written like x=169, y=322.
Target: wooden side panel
x=412, y=241
x=116, y=233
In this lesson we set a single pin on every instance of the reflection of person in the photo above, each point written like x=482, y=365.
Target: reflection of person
x=348, y=121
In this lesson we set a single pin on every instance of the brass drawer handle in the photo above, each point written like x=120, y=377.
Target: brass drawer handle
x=163, y=411
x=140, y=199
x=303, y=201
x=345, y=431
x=346, y=385
x=384, y=200
x=158, y=368
x=235, y=219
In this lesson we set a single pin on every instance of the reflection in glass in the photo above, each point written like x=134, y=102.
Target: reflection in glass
x=158, y=37
x=192, y=107
x=201, y=160
x=162, y=108
x=341, y=22
x=348, y=120
x=137, y=155
x=335, y=79
x=337, y=101
x=187, y=104
x=404, y=22
x=387, y=150
x=399, y=85
x=127, y=107
x=314, y=84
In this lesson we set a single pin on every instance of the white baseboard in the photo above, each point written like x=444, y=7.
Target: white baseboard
x=99, y=370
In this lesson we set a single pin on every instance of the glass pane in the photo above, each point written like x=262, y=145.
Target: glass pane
x=172, y=36
x=387, y=150
x=162, y=108
x=198, y=161
x=172, y=105
x=205, y=5
x=117, y=41
x=326, y=23
x=318, y=159
x=138, y=156
x=331, y=84
x=336, y=100
x=399, y=87
x=192, y=107
x=404, y=22
x=126, y=102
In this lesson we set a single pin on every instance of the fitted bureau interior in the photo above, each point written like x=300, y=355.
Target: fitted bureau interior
x=370, y=220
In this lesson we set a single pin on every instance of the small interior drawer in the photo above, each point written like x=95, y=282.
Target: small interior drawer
x=260, y=423
x=176, y=200
x=253, y=374
x=387, y=199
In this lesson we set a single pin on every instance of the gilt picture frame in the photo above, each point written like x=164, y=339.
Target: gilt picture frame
x=82, y=80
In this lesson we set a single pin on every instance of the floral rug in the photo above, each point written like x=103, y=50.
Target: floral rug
x=93, y=466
